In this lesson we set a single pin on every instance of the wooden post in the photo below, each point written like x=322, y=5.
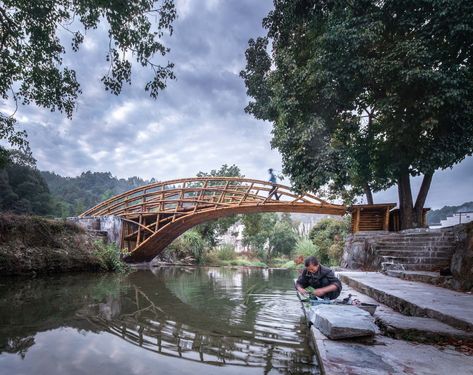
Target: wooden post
x=356, y=227
x=138, y=237
x=386, y=220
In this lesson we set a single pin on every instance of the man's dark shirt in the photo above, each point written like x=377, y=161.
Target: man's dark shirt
x=323, y=277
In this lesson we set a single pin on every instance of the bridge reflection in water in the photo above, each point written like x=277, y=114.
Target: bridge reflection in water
x=219, y=317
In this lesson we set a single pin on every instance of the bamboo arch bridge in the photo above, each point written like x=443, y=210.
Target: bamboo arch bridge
x=156, y=214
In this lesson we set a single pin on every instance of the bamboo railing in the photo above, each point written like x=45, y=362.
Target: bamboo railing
x=156, y=214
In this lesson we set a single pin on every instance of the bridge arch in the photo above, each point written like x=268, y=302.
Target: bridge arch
x=154, y=215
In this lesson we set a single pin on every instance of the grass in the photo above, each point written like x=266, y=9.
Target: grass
x=109, y=257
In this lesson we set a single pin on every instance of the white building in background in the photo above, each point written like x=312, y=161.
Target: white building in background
x=234, y=237
x=458, y=218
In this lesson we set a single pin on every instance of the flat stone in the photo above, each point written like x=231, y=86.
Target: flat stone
x=414, y=298
x=342, y=321
x=387, y=356
x=418, y=328
x=413, y=328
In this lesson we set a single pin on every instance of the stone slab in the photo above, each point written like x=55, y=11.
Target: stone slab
x=418, y=329
x=414, y=298
x=342, y=321
x=387, y=356
x=412, y=328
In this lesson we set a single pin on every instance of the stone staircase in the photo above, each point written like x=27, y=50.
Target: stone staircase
x=414, y=251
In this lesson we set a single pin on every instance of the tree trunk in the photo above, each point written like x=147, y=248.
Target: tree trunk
x=368, y=193
x=406, y=214
x=421, y=197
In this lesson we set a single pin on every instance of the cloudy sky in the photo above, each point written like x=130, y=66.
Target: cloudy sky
x=197, y=123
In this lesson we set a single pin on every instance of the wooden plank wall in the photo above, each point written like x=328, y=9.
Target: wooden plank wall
x=371, y=217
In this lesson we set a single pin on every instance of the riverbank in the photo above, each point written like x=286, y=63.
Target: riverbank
x=32, y=245
x=427, y=330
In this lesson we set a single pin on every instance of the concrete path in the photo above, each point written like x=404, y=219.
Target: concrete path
x=413, y=298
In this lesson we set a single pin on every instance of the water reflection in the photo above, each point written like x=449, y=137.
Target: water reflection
x=182, y=318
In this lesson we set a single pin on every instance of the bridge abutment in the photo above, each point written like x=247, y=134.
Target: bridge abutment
x=112, y=226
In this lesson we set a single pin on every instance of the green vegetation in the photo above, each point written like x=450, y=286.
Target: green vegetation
x=190, y=245
x=364, y=95
x=305, y=247
x=271, y=240
x=109, y=257
x=22, y=188
x=25, y=190
x=32, y=67
x=329, y=235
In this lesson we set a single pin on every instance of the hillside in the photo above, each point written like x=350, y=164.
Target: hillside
x=434, y=216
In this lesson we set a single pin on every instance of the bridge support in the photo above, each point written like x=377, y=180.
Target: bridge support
x=112, y=226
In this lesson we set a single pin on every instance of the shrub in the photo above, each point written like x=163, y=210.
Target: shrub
x=329, y=237
x=306, y=248
x=190, y=244
x=109, y=257
x=226, y=252
x=210, y=258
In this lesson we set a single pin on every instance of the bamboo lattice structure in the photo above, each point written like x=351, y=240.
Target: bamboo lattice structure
x=156, y=214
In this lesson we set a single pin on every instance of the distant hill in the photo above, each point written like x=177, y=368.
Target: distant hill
x=73, y=195
x=434, y=216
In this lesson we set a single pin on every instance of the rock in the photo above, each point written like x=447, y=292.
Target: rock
x=462, y=260
x=342, y=321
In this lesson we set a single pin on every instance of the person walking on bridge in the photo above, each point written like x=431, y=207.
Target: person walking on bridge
x=320, y=278
x=272, y=179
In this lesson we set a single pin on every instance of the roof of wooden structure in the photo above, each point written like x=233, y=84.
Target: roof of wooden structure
x=158, y=213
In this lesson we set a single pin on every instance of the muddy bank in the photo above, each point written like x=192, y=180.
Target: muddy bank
x=33, y=245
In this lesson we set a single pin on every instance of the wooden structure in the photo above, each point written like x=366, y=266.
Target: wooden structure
x=156, y=214
x=395, y=220
x=371, y=217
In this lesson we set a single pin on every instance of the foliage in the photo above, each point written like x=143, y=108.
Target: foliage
x=34, y=33
x=244, y=263
x=435, y=216
x=329, y=235
x=306, y=248
x=73, y=195
x=282, y=239
x=268, y=235
x=225, y=252
x=210, y=230
x=257, y=230
x=364, y=94
x=109, y=257
x=189, y=244
x=22, y=189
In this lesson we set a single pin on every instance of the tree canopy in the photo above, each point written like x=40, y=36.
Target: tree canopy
x=32, y=46
x=364, y=94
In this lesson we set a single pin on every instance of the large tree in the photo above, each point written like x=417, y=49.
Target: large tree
x=32, y=45
x=364, y=94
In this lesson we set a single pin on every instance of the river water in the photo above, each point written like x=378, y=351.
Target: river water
x=173, y=320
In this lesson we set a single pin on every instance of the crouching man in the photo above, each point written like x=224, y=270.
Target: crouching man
x=321, y=278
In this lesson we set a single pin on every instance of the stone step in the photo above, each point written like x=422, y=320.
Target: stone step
x=396, y=236
x=414, y=253
x=433, y=278
x=411, y=328
x=414, y=298
x=415, y=244
x=415, y=259
x=412, y=266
